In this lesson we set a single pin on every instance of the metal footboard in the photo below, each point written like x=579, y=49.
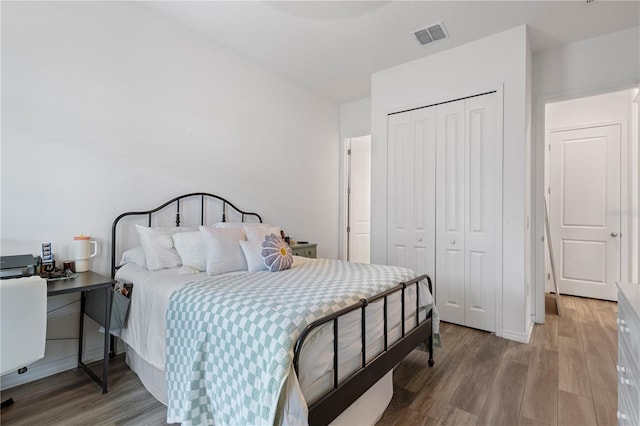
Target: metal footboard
x=343, y=394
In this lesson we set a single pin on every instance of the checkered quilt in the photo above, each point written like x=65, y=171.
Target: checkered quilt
x=230, y=338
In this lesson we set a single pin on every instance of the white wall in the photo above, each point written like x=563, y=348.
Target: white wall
x=497, y=62
x=355, y=118
x=604, y=108
x=108, y=107
x=588, y=67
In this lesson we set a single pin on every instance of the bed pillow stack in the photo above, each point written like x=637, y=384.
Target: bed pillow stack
x=221, y=248
x=159, y=250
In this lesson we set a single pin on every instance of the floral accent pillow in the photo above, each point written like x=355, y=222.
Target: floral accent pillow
x=276, y=253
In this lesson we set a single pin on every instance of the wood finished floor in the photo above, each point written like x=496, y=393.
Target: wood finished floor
x=566, y=375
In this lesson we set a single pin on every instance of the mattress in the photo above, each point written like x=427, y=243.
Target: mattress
x=146, y=330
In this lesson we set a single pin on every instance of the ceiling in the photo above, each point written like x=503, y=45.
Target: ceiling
x=333, y=47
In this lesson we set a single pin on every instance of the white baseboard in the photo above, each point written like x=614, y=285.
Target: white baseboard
x=530, y=330
x=39, y=370
x=517, y=336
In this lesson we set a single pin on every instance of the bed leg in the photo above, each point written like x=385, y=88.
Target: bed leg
x=431, y=362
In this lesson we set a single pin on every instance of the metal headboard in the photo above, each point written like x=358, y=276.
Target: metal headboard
x=149, y=213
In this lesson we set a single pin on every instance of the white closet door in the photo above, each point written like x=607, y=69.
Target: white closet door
x=466, y=211
x=443, y=190
x=411, y=186
x=481, y=191
x=450, y=177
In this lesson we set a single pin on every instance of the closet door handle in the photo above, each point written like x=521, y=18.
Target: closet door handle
x=453, y=241
x=614, y=234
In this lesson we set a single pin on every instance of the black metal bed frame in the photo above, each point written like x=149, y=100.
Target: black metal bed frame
x=343, y=394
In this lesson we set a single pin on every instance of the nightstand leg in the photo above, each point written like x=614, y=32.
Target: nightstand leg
x=107, y=340
x=82, y=298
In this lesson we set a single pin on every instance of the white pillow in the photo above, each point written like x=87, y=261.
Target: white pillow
x=190, y=248
x=223, y=249
x=158, y=249
x=257, y=233
x=134, y=255
x=253, y=255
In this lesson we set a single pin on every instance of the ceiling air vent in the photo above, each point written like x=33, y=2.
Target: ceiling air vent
x=431, y=33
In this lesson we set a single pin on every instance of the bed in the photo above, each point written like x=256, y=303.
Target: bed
x=316, y=343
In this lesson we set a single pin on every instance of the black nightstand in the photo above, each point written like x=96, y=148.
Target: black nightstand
x=100, y=289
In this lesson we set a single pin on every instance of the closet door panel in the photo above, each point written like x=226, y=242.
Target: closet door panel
x=450, y=244
x=481, y=188
x=411, y=180
x=399, y=128
x=424, y=147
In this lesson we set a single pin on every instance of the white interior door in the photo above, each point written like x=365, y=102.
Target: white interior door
x=443, y=203
x=584, y=210
x=411, y=186
x=450, y=213
x=480, y=194
x=359, y=193
x=466, y=211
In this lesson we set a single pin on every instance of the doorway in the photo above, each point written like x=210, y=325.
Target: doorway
x=588, y=182
x=358, y=202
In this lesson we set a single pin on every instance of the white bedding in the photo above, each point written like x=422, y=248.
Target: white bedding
x=145, y=334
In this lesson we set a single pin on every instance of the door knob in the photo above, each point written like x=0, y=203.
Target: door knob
x=614, y=234
x=453, y=241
